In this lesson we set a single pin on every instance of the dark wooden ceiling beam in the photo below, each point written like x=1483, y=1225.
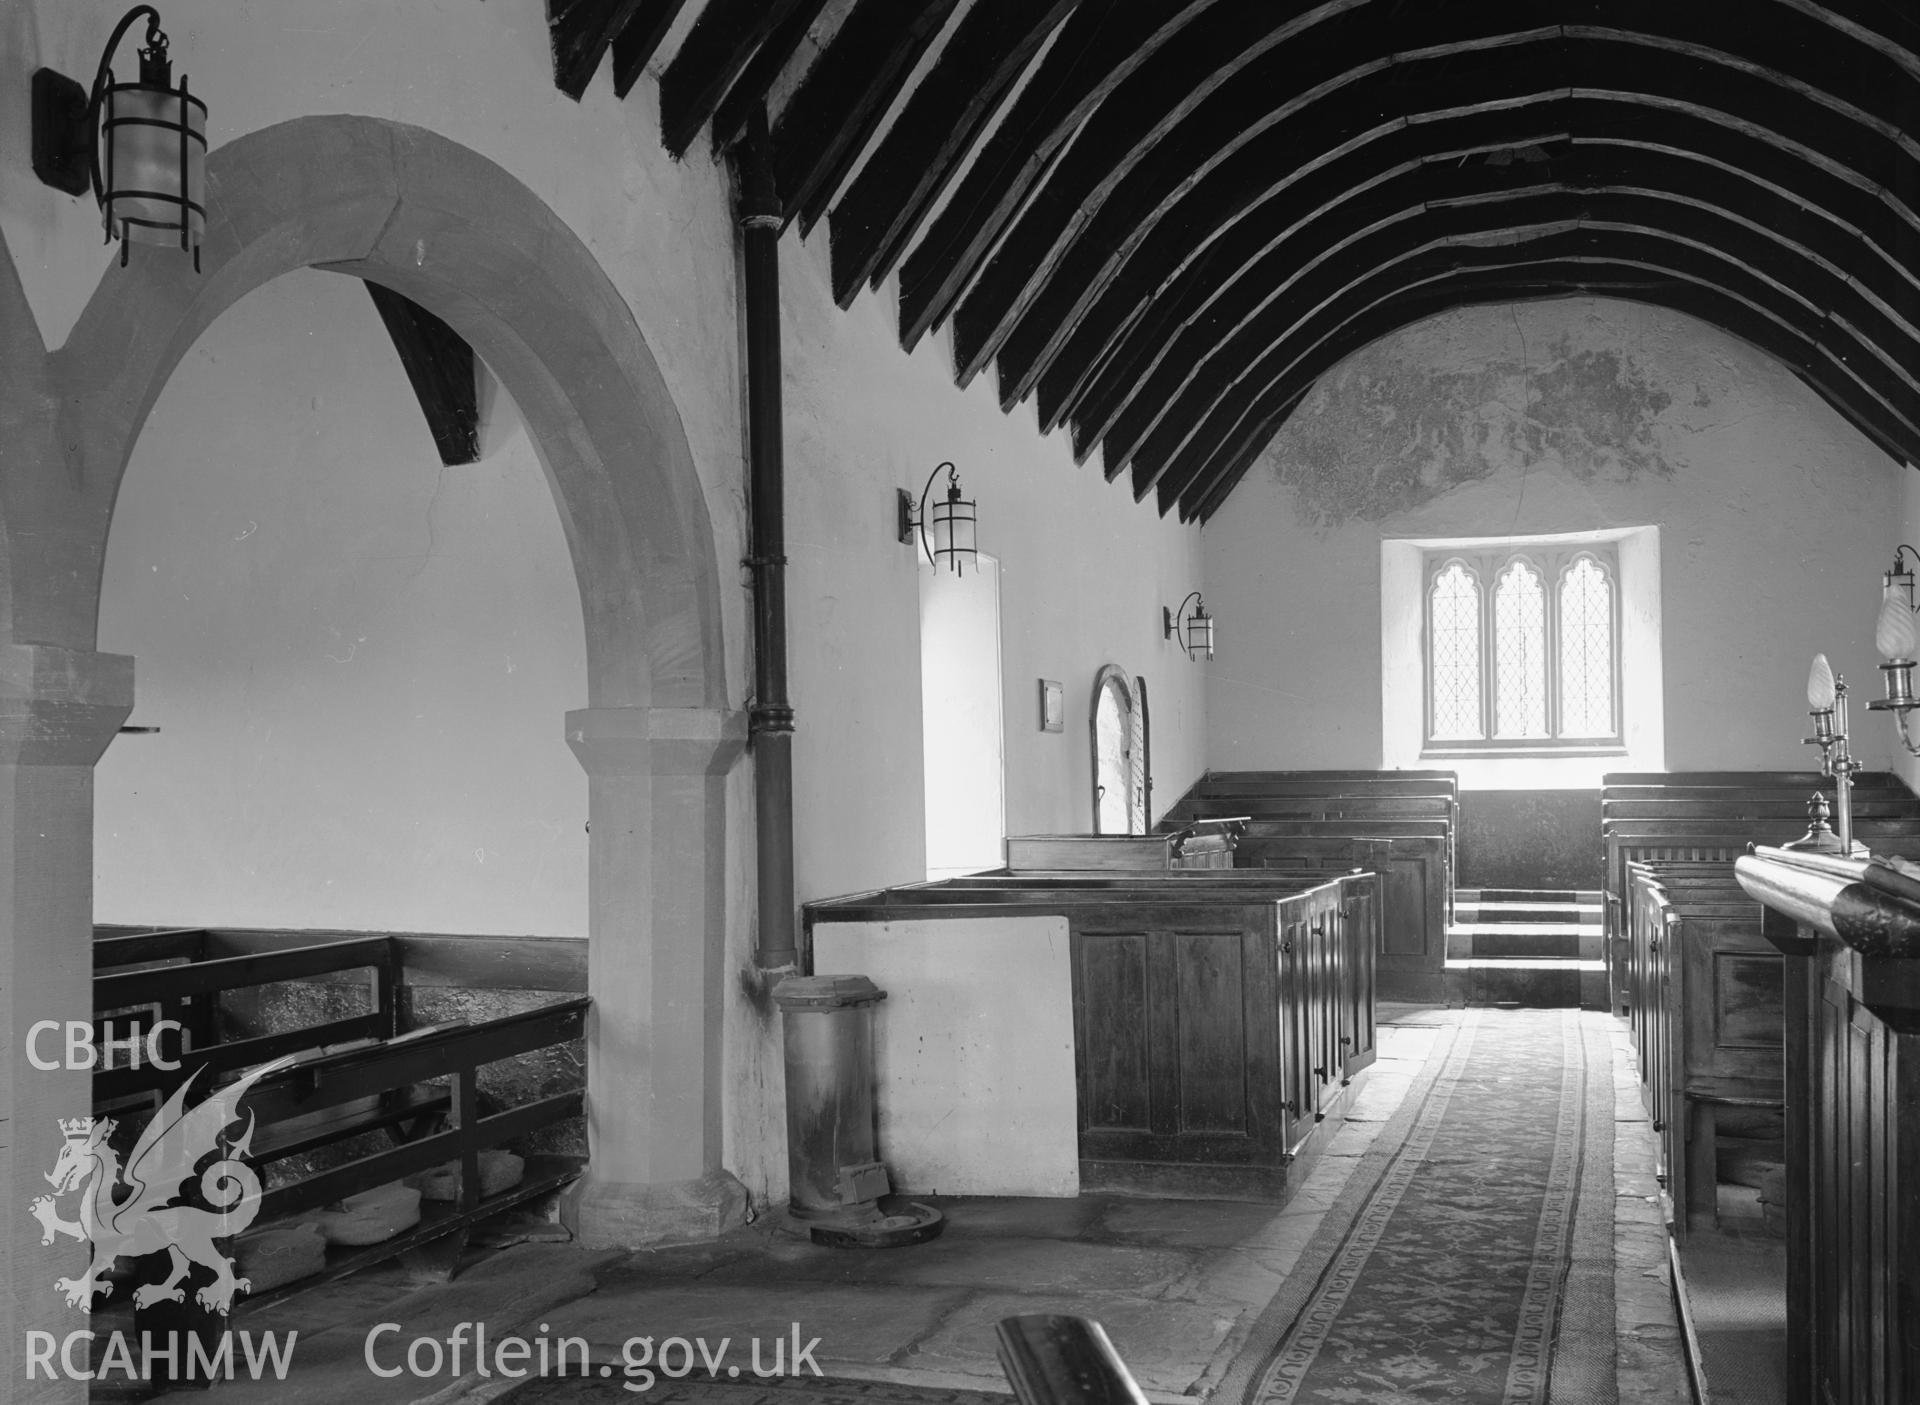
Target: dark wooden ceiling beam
x=1240, y=210
x=1822, y=352
x=993, y=43
x=1885, y=24
x=1813, y=294
x=749, y=91
x=843, y=98
x=1087, y=366
x=581, y=32
x=637, y=43
x=1130, y=216
x=1208, y=91
x=1817, y=260
x=1102, y=42
x=440, y=366
x=1145, y=390
x=1235, y=223
x=711, y=58
x=1789, y=47
x=1665, y=83
x=1523, y=282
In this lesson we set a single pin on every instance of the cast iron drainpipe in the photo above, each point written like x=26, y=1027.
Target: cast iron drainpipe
x=770, y=715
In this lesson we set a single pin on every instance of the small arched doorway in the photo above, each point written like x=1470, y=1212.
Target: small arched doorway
x=1120, y=752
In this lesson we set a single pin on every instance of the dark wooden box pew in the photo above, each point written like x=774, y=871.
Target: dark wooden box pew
x=1320, y=807
x=1201, y=844
x=354, y=1074
x=1224, y=781
x=1280, y=787
x=1695, y=837
x=1742, y=805
x=1197, y=1030
x=1811, y=780
x=1414, y=861
x=1709, y=1027
x=1329, y=789
x=1850, y=939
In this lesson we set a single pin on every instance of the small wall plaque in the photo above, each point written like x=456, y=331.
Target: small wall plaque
x=1053, y=706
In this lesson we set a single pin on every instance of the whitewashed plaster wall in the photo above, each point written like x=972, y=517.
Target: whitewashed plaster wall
x=1557, y=416
x=1085, y=570
x=356, y=655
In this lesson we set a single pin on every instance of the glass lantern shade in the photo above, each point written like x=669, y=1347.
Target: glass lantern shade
x=950, y=528
x=1893, y=632
x=1200, y=633
x=153, y=163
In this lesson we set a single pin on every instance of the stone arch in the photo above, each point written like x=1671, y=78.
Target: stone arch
x=407, y=208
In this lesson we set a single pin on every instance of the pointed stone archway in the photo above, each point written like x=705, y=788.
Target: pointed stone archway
x=400, y=206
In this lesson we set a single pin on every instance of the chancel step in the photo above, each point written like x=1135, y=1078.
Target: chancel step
x=1529, y=947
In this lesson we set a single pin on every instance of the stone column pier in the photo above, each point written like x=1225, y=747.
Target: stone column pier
x=655, y=968
x=58, y=710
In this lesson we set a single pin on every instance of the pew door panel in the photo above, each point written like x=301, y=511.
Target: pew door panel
x=1360, y=915
x=1177, y=1032
x=1413, y=930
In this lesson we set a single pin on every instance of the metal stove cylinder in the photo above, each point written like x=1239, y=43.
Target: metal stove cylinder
x=829, y=1058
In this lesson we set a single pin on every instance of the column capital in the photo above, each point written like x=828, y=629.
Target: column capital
x=60, y=707
x=658, y=741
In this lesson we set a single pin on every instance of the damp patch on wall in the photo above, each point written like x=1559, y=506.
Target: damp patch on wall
x=1388, y=431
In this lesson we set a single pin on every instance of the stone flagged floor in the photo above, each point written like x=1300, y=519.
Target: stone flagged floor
x=1176, y=1284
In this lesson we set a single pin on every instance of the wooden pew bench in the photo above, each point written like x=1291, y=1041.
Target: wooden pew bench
x=1716, y=814
x=367, y=1072
x=1709, y=1029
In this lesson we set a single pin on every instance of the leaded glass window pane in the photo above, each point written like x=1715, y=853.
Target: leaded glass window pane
x=1519, y=653
x=1456, y=655
x=1586, y=651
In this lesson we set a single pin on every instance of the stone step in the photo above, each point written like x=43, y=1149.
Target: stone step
x=1540, y=983
x=1530, y=896
x=1524, y=945
x=1469, y=940
x=1527, y=928
x=1544, y=912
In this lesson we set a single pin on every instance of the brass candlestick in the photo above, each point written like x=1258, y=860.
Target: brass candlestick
x=1827, y=705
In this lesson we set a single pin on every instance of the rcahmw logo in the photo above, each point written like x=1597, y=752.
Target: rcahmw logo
x=186, y=1356
x=150, y=1217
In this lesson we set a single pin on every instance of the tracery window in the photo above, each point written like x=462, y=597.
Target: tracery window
x=1522, y=650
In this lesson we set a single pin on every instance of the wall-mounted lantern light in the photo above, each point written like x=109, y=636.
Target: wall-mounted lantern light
x=1193, y=628
x=946, y=533
x=141, y=146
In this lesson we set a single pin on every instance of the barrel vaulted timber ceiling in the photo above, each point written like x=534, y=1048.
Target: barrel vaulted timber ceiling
x=1165, y=219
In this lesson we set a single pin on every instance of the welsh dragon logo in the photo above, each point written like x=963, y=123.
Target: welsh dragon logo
x=147, y=1218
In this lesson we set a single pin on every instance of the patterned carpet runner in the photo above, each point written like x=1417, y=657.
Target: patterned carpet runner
x=1469, y=1258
